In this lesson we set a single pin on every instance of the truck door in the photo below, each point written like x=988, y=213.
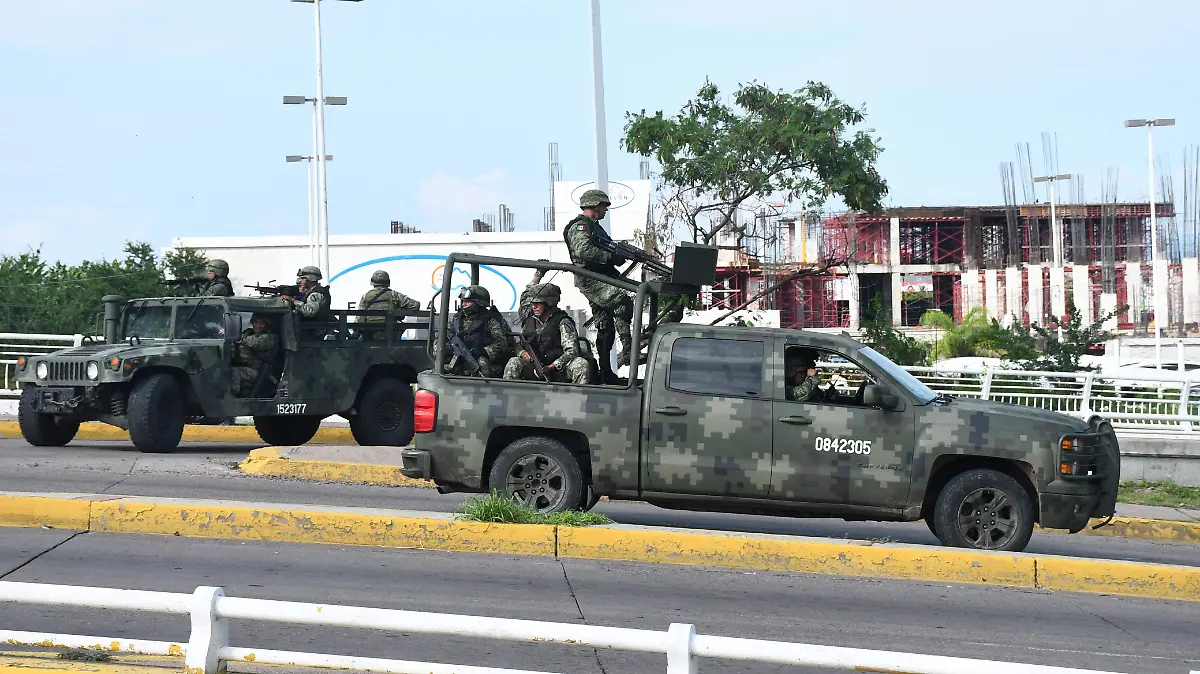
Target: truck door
x=708, y=430
x=838, y=449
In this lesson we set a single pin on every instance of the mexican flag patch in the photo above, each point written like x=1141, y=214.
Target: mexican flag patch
x=582, y=227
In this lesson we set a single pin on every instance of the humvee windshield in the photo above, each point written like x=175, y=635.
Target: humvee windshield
x=146, y=322
x=206, y=321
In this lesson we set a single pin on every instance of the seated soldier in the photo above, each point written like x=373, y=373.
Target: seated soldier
x=551, y=335
x=251, y=354
x=481, y=331
x=801, y=381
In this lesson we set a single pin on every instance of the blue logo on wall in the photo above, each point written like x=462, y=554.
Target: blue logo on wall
x=436, y=277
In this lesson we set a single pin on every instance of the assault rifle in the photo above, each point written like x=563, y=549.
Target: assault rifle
x=188, y=280
x=460, y=349
x=635, y=254
x=276, y=291
x=538, y=368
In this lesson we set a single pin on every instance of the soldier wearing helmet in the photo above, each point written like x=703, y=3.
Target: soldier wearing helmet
x=801, y=382
x=550, y=333
x=382, y=298
x=253, y=352
x=313, y=301
x=218, y=284
x=481, y=327
x=611, y=306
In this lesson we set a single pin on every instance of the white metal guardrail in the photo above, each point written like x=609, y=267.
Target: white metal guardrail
x=13, y=345
x=207, y=649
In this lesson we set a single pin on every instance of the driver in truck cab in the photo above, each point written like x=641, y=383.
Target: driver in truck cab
x=252, y=354
x=800, y=371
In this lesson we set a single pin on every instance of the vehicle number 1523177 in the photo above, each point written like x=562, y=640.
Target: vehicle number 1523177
x=843, y=445
x=290, y=408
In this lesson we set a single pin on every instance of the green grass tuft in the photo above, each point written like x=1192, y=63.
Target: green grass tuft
x=497, y=508
x=86, y=656
x=1159, y=494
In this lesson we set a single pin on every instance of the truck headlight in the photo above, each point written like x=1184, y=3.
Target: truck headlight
x=93, y=370
x=43, y=370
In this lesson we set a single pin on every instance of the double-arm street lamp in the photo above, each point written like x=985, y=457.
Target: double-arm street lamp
x=1159, y=268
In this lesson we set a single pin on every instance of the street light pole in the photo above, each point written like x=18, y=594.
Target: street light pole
x=1159, y=268
x=320, y=251
x=312, y=221
x=598, y=100
x=1055, y=230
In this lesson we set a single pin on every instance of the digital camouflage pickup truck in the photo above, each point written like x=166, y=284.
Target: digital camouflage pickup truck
x=166, y=359
x=711, y=427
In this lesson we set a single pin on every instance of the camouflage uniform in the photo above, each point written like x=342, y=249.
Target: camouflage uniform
x=483, y=330
x=382, y=298
x=316, y=302
x=253, y=350
x=611, y=306
x=561, y=350
x=807, y=391
x=219, y=286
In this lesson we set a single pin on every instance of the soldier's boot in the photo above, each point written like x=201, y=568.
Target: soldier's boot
x=604, y=344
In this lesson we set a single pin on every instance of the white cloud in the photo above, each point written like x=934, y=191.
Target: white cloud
x=446, y=199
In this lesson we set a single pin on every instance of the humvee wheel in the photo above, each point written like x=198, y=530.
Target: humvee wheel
x=287, y=431
x=43, y=430
x=385, y=414
x=541, y=473
x=156, y=413
x=984, y=509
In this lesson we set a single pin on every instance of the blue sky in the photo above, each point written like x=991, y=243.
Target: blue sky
x=148, y=119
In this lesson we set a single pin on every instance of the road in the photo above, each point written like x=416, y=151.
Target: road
x=209, y=471
x=1086, y=631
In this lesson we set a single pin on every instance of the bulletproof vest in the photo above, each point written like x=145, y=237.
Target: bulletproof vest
x=595, y=231
x=218, y=287
x=375, y=299
x=475, y=333
x=326, y=302
x=548, y=344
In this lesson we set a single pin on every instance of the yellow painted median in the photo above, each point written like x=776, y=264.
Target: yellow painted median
x=326, y=435
x=268, y=462
x=435, y=531
x=45, y=663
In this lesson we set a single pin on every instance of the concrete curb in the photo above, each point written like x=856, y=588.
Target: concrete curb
x=439, y=531
x=93, y=430
x=32, y=662
x=269, y=462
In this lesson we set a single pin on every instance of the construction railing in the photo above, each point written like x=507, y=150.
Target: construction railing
x=207, y=649
x=13, y=345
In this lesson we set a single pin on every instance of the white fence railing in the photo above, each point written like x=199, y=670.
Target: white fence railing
x=207, y=649
x=13, y=345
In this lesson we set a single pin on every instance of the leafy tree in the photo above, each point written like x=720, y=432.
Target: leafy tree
x=970, y=337
x=717, y=159
x=1077, y=340
x=879, y=333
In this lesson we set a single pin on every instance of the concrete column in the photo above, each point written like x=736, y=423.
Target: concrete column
x=1191, y=290
x=1082, y=293
x=894, y=241
x=1034, y=307
x=1058, y=294
x=1108, y=303
x=1160, y=296
x=970, y=290
x=1133, y=285
x=1013, y=309
x=897, y=298
x=853, y=297
x=991, y=284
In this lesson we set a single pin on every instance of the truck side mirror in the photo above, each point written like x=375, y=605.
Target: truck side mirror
x=233, y=327
x=881, y=397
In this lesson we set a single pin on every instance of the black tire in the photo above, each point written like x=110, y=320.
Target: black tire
x=156, y=413
x=929, y=522
x=287, y=431
x=592, y=499
x=43, y=430
x=385, y=414
x=984, y=509
x=541, y=473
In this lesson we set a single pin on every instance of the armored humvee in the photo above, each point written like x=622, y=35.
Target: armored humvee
x=712, y=425
x=164, y=360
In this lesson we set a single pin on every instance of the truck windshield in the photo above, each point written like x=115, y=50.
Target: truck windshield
x=902, y=376
x=147, y=322
x=205, y=321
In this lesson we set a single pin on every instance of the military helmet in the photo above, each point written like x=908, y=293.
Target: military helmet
x=547, y=293
x=380, y=278
x=310, y=272
x=593, y=198
x=477, y=294
x=220, y=267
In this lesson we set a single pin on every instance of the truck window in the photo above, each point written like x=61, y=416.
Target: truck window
x=718, y=367
x=206, y=321
x=841, y=379
x=146, y=321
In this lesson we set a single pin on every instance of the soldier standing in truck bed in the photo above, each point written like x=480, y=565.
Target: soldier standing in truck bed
x=218, y=284
x=382, y=298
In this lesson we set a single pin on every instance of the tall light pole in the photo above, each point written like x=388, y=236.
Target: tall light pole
x=1055, y=231
x=1160, y=272
x=321, y=236
x=598, y=100
x=320, y=151
x=313, y=247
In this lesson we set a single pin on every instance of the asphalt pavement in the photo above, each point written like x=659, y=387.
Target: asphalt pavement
x=210, y=472
x=1085, y=631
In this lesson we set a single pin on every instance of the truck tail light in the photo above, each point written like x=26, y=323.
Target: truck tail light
x=424, y=411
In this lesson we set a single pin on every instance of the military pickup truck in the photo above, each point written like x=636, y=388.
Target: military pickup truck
x=164, y=360
x=711, y=426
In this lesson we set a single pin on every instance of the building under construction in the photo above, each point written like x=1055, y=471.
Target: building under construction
x=1011, y=261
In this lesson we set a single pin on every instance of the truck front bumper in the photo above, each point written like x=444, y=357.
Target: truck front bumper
x=1067, y=511
x=60, y=399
